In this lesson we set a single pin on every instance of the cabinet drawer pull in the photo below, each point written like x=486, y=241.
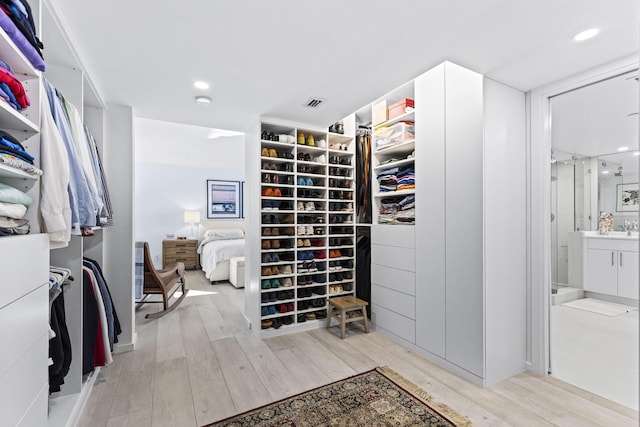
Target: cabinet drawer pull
x=620, y=259
x=612, y=260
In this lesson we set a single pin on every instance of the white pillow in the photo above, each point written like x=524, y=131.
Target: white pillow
x=224, y=234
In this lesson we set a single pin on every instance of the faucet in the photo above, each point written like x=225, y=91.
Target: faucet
x=630, y=226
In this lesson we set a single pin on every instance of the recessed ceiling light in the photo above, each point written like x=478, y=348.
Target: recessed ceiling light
x=623, y=148
x=586, y=35
x=203, y=100
x=201, y=85
x=605, y=172
x=637, y=153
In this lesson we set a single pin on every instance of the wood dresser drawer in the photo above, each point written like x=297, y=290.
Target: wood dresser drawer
x=185, y=251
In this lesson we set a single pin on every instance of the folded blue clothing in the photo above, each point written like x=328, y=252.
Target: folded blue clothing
x=16, y=147
x=390, y=171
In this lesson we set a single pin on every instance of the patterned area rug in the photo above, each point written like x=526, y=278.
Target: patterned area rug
x=380, y=397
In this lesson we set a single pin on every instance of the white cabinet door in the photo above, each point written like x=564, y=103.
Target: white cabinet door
x=628, y=274
x=602, y=273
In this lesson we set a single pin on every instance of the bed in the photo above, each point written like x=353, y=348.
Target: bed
x=217, y=246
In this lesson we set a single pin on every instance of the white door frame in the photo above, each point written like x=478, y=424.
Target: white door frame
x=539, y=271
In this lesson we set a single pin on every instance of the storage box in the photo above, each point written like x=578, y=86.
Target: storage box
x=387, y=136
x=379, y=113
x=399, y=108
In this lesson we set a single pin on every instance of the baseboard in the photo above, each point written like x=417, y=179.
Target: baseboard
x=126, y=347
x=65, y=411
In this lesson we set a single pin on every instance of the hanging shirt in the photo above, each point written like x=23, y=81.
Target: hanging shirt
x=55, y=209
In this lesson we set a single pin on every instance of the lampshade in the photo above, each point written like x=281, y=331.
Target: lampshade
x=191, y=217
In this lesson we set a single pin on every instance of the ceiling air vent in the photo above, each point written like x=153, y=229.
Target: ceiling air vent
x=314, y=102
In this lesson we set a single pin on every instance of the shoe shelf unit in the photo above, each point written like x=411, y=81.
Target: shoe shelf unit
x=308, y=237
x=393, y=148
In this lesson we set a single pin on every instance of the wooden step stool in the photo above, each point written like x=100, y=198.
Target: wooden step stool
x=340, y=306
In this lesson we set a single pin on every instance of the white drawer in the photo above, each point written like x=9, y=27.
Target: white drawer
x=614, y=244
x=20, y=386
x=31, y=313
x=395, y=301
x=36, y=415
x=24, y=265
x=393, y=322
x=392, y=278
x=403, y=236
x=394, y=257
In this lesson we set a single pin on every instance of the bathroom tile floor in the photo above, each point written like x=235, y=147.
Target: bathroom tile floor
x=596, y=353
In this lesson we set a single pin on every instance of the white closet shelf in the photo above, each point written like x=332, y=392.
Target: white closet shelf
x=343, y=152
x=401, y=162
x=310, y=148
x=406, y=117
x=332, y=165
x=402, y=148
x=275, y=160
x=385, y=194
x=10, y=172
x=12, y=55
x=274, y=144
x=11, y=118
x=337, y=138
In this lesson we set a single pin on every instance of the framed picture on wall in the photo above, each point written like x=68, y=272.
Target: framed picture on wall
x=627, y=197
x=242, y=199
x=223, y=199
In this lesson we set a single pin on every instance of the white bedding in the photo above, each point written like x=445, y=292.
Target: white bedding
x=213, y=252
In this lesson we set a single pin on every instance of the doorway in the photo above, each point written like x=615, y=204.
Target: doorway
x=593, y=316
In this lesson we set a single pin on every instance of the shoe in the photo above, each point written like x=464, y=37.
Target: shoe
x=308, y=182
x=320, y=159
x=267, y=192
x=300, y=243
x=265, y=284
x=264, y=152
x=272, y=309
x=275, y=232
x=264, y=298
x=301, y=181
x=301, y=282
x=309, y=230
x=302, y=256
x=275, y=283
x=306, y=243
x=301, y=318
x=318, y=231
x=347, y=287
x=266, y=178
x=318, y=242
x=301, y=230
x=322, y=266
x=288, y=320
x=275, y=244
x=266, y=258
x=277, y=323
x=310, y=206
x=300, y=206
x=310, y=316
x=287, y=219
x=275, y=270
x=319, y=255
x=321, y=143
x=301, y=138
x=275, y=258
x=287, y=280
x=311, y=141
x=265, y=324
x=277, y=193
x=273, y=153
x=266, y=244
x=267, y=271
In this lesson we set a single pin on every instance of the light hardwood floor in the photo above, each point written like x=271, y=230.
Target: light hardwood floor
x=199, y=364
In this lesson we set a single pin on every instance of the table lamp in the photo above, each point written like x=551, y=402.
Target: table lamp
x=192, y=217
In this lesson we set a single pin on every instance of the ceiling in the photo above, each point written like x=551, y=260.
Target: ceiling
x=268, y=57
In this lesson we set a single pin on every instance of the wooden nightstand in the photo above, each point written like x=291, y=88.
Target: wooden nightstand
x=185, y=251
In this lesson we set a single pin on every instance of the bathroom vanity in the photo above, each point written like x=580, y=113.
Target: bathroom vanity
x=608, y=263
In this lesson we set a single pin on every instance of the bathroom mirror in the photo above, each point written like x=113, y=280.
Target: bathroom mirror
x=618, y=187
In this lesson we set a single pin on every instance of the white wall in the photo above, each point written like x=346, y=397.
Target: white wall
x=173, y=162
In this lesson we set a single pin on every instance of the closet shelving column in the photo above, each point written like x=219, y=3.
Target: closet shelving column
x=307, y=224
x=341, y=199
x=277, y=268
x=393, y=239
x=24, y=300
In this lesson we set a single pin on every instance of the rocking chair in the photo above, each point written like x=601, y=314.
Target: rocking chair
x=162, y=282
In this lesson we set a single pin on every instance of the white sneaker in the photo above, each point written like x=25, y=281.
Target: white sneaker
x=310, y=206
x=300, y=206
x=309, y=230
x=320, y=159
x=301, y=230
x=321, y=144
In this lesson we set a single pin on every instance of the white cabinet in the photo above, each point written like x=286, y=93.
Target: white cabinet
x=628, y=274
x=602, y=271
x=469, y=239
x=611, y=265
